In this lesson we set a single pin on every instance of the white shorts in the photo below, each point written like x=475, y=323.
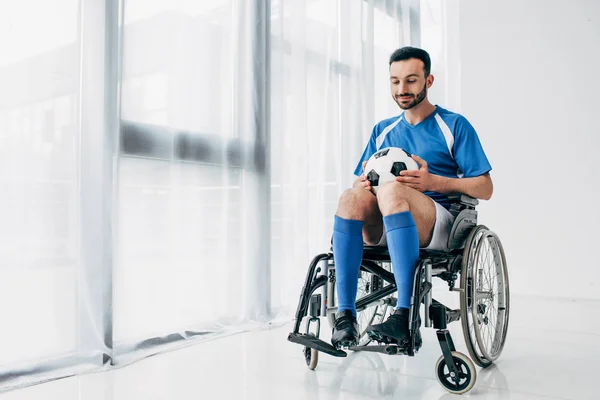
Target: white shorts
x=441, y=230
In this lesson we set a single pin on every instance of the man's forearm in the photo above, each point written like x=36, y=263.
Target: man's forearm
x=480, y=187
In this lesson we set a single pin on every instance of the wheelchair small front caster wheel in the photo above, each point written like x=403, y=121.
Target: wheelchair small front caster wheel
x=311, y=356
x=466, y=374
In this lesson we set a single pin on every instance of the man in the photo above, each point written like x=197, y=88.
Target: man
x=412, y=212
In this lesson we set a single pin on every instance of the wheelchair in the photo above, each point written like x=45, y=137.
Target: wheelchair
x=475, y=261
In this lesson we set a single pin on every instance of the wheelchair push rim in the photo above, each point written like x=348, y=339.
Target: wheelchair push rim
x=485, y=296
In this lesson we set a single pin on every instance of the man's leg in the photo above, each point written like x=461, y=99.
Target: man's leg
x=409, y=218
x=357, y=215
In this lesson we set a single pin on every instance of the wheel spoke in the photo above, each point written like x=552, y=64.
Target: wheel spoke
x=491, y=294
x=373, y=313
x=483, y=281
x=484, y=295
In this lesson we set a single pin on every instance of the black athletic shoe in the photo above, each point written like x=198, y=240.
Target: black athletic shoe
x=395, y=330
x=345, y=330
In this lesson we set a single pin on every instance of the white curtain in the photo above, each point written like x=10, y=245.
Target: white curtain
x=50, y=307
x=329, y=69
x=178, y=201
x=170, y=167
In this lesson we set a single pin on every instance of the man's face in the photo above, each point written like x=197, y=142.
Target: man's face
x=408, y=83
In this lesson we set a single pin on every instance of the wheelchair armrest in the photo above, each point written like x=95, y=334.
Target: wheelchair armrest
x=463, y=199
x=460, y=201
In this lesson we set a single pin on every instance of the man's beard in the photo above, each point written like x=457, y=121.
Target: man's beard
x=417, y=99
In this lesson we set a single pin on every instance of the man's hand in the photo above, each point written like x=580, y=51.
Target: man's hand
x=362, y=181
x=420, y=179
x=480, y=187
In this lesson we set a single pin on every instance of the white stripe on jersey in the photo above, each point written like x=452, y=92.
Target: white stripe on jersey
x=449, y=138
x=446, y=131
x=383, y=134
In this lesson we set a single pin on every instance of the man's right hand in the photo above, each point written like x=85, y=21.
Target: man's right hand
x=362, y=181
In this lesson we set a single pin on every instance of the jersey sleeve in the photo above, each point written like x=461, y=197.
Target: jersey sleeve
x=468, y=152
x=370, y=149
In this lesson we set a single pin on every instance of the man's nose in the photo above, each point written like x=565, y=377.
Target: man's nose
x=402, y=88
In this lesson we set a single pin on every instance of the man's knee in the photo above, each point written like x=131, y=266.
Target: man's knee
x=396, y=197
x=393, y=198
x=356, y=203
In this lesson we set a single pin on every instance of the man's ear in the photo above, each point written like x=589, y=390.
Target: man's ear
x=430, y=80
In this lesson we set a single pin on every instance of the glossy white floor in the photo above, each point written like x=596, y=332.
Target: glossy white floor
x=552, y=352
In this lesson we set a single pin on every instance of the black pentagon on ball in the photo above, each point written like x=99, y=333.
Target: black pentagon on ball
x=381, y=153
x=397, y=167
x=407, y=153
x=373, y=177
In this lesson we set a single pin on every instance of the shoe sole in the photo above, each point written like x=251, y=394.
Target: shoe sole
x=378, y=337
x=385, y=339
x=344, y=344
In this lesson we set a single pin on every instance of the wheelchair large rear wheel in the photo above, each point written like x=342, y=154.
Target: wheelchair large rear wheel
x=373, y=314
x=484, y=296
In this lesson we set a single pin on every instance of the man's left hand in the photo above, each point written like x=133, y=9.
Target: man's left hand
x=420, y=179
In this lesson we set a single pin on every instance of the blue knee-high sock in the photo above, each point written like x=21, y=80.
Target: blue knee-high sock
x=403, y=245
x=347, y=255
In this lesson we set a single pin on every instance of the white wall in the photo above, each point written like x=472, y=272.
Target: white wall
x=530, y=86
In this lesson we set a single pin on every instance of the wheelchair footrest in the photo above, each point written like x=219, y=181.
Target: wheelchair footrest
x=315, y=343
x=390, y=349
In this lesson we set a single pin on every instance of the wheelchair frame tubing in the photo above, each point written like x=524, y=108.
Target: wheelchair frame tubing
x=373, y=268
x=309, y=287
x=447, y=346
x=415, y=305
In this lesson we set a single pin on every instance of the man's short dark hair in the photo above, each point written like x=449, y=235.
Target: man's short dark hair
x=408, y=52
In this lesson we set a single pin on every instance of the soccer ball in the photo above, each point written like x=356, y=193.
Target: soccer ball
x=386, y=164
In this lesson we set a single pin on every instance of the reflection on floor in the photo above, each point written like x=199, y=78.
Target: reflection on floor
x=551, y=353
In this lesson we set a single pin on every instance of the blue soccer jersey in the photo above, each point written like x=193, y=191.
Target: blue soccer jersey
x=446, y=140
